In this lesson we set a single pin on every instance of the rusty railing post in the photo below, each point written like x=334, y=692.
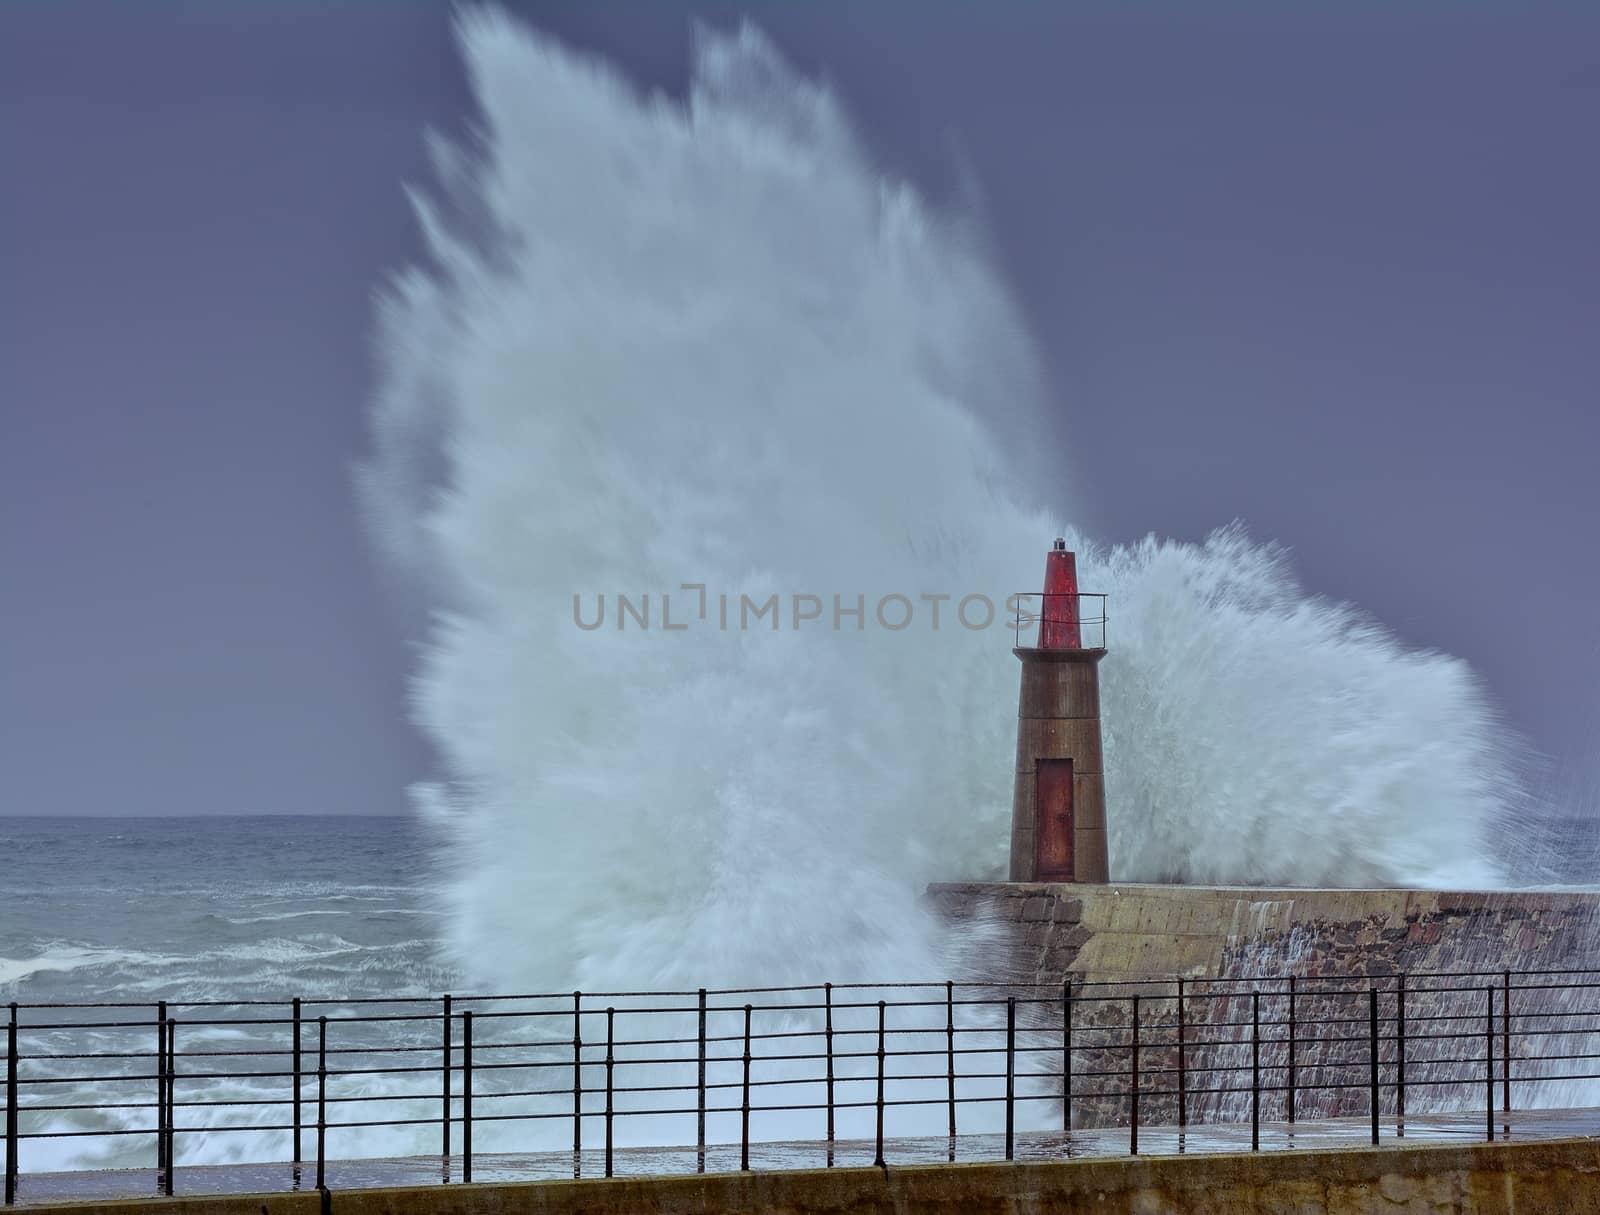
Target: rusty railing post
x=466, y=1095
x=950, y=1051
x=1183, y=1067
x=1372, y=1018
x=827, y=1035
x=1292, y=1072
x=444, y=1116
x=744, y=1104
x=322, y=1102
x=882, y=1054
x=577, y=1079
x=295, y=1004
x=12, y=1135
x=611, y=1062
x=1488, y=1070
x=1400, y=1050
x=700, y=1099
x=1505, y=1054
x=1066, y=1083
x=1011, y=1075
x=1133, y=1086
x=1255, y=1071
x=1066, y=1056
x=161, y=1091
x=172, y=1104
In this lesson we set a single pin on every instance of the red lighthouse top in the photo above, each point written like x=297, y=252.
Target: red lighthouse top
x=1058, y=623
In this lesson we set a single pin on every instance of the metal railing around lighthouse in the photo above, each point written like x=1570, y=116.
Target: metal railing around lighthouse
x=846, y=1066
x=1027, y=609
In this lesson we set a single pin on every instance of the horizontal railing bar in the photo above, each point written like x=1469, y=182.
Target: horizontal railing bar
x=1200, y=986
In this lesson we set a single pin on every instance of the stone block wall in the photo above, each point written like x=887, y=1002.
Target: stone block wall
x=1046, y=933
x=1105, y=943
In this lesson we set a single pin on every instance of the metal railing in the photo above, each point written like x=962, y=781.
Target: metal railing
x=944, y=1059
x=1029, y=609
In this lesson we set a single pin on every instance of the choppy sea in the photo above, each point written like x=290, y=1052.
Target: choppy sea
x=131, y=911
x=215, y=908
x=228, y=919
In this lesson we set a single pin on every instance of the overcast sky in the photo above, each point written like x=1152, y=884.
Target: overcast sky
x=1328, y=269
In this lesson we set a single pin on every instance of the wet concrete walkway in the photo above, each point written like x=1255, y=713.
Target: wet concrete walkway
x=1521, y=1125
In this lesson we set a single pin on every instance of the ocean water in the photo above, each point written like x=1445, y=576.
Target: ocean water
x=216, y=908
x=228, y=919
x=131, y=911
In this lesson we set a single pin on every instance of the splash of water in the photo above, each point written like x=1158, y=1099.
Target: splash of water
x=657, y=342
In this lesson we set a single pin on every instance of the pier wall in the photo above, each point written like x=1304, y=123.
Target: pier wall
x=1559, y=1177
x=1039, y=932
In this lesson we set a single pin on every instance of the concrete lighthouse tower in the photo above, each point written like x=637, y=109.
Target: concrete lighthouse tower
x=1058, y=812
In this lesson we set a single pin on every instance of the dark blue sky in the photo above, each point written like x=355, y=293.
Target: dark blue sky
x=1332, y=270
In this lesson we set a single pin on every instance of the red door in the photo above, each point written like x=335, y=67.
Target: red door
x=1053, y=825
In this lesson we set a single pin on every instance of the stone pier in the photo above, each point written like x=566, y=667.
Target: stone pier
x=1045, y=933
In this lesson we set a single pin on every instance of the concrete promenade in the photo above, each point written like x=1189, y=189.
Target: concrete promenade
x=1529, y=1145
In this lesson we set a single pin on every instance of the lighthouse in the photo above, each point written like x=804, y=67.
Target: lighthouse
x=1058, y=810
